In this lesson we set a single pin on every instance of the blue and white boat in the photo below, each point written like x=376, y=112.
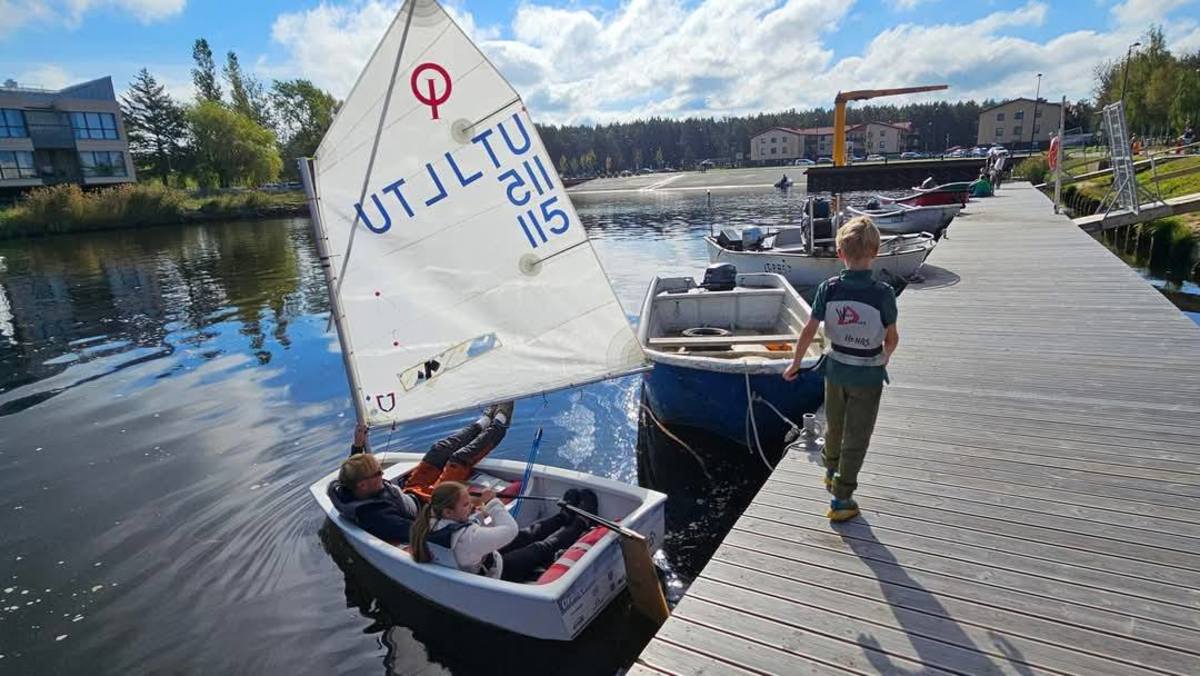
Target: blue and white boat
x=719, y=345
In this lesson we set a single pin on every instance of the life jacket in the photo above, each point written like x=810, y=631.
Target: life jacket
x=440, y=543
x=572, y=556
x=854, y=323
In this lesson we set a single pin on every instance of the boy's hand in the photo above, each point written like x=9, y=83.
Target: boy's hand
x=360, y=434
x=791, y=372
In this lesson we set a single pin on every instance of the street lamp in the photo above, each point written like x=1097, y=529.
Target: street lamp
x=1125, y=71
x=1033, y=123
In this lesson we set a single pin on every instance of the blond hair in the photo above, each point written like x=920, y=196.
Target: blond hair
x=858, y=239
x=444, y=496
x=356, y=468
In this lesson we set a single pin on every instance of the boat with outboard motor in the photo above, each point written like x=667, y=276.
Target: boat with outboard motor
x=905, y=219
x=784, y=183
x=958, y=192
x=459, y=275
x=806, y=255
x=720, y=348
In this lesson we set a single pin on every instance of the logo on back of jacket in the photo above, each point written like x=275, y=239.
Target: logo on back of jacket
x=847, y=315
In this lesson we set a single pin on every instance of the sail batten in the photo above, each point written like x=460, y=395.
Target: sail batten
x=472, y=279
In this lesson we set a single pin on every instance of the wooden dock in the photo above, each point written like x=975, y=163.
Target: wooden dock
x=1031, y=499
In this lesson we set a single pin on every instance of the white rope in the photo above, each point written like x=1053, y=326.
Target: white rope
x=753, y=425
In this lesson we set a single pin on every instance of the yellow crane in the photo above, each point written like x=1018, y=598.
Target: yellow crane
x=839, y=112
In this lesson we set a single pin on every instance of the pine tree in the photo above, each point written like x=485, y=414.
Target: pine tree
x=155, y=123
x=204, y=75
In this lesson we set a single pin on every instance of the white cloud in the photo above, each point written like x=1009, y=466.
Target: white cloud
x=46, y=76
x=677, y=58
x=20, y=13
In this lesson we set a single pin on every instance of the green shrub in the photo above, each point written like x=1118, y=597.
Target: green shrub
x=1033, y=169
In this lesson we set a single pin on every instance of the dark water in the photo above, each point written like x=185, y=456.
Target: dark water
x=166, y=398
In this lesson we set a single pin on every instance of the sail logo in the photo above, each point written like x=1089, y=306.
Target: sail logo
x=847, y=315
x=430, y=97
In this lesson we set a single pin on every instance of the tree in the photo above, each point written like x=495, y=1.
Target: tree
x=204, y=75
x=156, y=125
x=230, y=148
x=302, y=114
x=246, y=92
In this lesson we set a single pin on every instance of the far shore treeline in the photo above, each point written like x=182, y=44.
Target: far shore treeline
x=242, y=132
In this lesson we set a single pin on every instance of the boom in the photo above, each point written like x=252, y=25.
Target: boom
x=839, y=112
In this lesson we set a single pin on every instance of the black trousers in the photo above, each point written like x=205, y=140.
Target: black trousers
x=466, y=446
x=536, y=546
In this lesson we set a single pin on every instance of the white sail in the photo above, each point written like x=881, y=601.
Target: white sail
x=469, y=277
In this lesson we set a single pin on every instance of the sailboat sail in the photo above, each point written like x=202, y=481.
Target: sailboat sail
x=463, y=273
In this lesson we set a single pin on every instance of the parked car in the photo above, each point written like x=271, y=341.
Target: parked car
x=910, y=155
x=824, y=160
x=645, y=170
x=875, y=158
x=803, y=162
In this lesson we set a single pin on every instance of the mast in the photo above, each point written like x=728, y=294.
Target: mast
x=335, y=304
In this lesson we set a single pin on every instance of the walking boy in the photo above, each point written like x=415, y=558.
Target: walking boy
x=860, y=322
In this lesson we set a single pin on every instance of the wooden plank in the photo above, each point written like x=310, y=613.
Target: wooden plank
x=742, y=649
x=1033, y=598
x=708, y=341
x=664, y=657
x=802, y=595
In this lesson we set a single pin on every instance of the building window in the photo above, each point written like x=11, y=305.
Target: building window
x=999, y=132
x=1019, y=115
x=102, y=163
x=97, y=126
x=773, y=151
x=774, y=140
x=999, y=117
x=12, y=124
x=1017, y=132
x=18, y=164
x=882, y=146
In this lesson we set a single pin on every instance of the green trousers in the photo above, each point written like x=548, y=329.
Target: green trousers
x=849, y=421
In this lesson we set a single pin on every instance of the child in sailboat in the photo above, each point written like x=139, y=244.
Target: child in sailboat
x=451, y=531
x=859, y=313
x=386, y=509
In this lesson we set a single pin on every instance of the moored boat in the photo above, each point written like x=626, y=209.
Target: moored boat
x=565, y=598
x=948, y=193
x=787, y=251
x=904, y=219
x=720, y=349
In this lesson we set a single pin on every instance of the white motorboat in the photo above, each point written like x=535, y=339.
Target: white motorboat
x=558, y=605
x=807, y=261
x=459, y=275
x=905, y=219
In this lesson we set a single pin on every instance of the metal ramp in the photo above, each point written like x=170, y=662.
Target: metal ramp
x=1126, y=195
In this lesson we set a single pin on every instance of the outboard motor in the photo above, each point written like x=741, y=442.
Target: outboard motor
x=929, y=183
x=873, y=204
x=720, y=277
x=729, y=239
x=820, y=207
x=752, y=237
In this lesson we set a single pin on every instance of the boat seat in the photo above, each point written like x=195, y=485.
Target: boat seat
x=572, y=555
x=708, y=341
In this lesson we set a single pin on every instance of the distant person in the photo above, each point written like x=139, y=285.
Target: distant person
x=982, y=186
x=1135, y=145
x=859, y=314
x=452, y=531
x=1188, y=139
x=997, y=158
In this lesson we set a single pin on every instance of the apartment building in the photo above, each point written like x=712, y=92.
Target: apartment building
x=73, y=135
x=782, y=144
x=1015, y=123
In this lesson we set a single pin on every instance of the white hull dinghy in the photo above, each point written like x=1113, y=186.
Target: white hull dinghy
x=806, y=262
x=459, y=275
x=566, y=597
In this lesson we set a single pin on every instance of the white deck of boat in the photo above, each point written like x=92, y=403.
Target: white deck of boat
x=1031, y=497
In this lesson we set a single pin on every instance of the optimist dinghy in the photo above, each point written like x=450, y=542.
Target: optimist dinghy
x=459, y=275
x=559, y=603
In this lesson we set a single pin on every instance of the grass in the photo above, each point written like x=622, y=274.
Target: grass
x=68, y=208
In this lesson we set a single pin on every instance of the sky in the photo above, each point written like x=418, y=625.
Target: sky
x=614, y=60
